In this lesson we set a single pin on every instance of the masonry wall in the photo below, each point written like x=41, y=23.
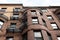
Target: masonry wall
x=30, y=29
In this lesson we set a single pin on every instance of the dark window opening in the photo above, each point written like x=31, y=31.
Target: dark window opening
x=13, y=25
x=15, y=17
x=16, y=10
x=3, y=8
x=1, y=20
x=33, y=12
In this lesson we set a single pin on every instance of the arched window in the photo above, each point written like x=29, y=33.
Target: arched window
x=1, y=23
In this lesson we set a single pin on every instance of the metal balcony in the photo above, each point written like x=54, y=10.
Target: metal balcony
x=16, y=10
x=24, y=21
x=14, y=18
x=24, y=17
x=13, y=30
x=3, y=16
x=2, y=10
x=16, y=30
x=23, y=26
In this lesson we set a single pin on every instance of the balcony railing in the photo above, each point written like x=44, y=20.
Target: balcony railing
x=13, y=30
x=2, y=10
x=24, y=17
x=23, y=26
x=16, y=10
x=3, y=16
x=14, y=18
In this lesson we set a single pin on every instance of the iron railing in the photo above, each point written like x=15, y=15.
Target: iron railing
x=13, y=29
x=14, y=18
x=3, y=16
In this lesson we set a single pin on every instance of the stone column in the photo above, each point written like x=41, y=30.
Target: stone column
x=30, y=35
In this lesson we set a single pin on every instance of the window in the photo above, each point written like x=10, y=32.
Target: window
x=44, y=10
x=33, y=12
x=13, y=25
x=34, y=20
x=3, y=9
x=15, y=17
x=54, y=25
x=16, y=9
x=9, y=38
x=58, y=37
x=38, y=35
x=49, y=36
x=49, y=17
x=1, y=23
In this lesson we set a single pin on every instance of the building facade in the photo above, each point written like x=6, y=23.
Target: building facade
x=29, y=23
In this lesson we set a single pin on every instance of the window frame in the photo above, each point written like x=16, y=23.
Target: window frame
x=3, y=9
x=57, y=37
x=17, y=9
x=40, y=34
x=49, y=17
x=12, y=26
x=14, y=17
x=44, y=10
x=33, y=12
x=36, y=20
x=54, y=26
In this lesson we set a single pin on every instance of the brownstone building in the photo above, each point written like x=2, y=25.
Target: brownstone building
x=29, y=23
